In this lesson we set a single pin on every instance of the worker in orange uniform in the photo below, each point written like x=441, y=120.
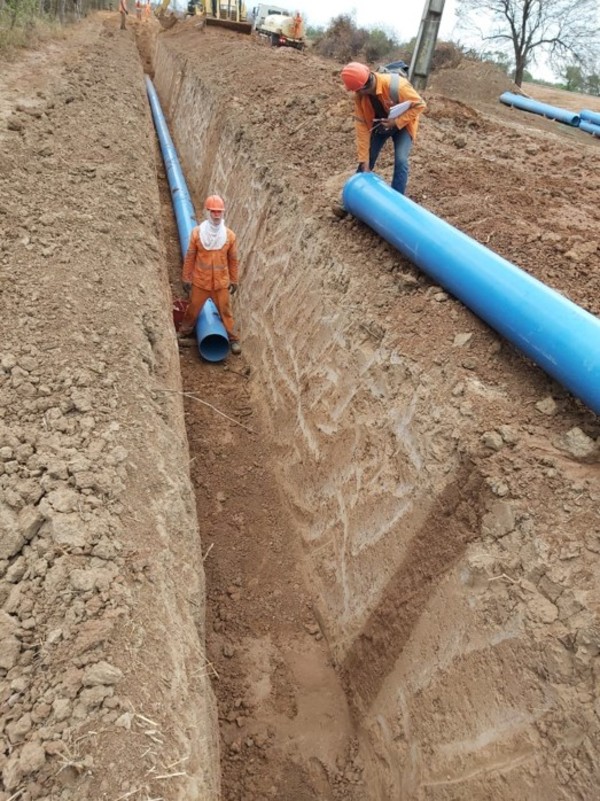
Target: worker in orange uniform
x=297, y=29
x=147, y=10
x=210, y=270
x=123, y=12
x=375, y=94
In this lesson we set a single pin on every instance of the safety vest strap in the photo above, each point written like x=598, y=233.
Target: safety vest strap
x=395, y=87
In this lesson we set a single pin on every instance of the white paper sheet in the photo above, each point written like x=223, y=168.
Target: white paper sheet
x=399, y=109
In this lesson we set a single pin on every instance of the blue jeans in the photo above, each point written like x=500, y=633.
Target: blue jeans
x=402, y=146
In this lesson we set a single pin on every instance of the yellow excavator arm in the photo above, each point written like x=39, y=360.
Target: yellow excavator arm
x=160, y=9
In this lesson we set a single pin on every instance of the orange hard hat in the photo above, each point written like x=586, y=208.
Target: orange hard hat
x=355, y=76
x=214, y=203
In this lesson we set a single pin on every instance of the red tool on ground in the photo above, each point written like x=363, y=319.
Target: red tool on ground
x=179, y=308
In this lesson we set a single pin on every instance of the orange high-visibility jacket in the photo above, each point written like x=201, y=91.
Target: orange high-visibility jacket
x=364, y=114
x=211, y=269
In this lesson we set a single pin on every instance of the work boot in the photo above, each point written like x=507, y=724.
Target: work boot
x=236, y=348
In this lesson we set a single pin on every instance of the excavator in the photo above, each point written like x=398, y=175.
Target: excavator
x=160, y=12
x=225, y=13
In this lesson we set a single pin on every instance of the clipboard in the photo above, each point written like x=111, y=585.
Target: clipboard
x=399, y=109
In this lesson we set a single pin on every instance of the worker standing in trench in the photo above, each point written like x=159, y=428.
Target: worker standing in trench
x=375, y=94
x=210, y=270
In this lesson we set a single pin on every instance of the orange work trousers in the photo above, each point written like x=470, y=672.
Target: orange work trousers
x=222, y=301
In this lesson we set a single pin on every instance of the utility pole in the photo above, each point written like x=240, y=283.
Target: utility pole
x=425, y=45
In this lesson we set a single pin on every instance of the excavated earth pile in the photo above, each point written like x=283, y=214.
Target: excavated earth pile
x=101, y=628
x=402, y=538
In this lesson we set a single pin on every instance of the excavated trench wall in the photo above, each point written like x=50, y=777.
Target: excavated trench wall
x=390, y=512
x=352, y=418
x=103, y=677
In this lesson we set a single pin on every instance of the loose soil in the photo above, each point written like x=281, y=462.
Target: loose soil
x=391, y=515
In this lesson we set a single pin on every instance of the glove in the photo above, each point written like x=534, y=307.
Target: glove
x=187, y=287
x=232, y=289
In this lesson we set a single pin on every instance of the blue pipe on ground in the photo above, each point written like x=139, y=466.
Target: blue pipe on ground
x=552, y=112
x=558, y=335
x=213, y=342
x=590, y=116
x=590, y=128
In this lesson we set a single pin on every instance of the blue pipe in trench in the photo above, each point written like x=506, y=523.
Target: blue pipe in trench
x=562, y=338
x=552, y=112
x=213, y=342
x=180, y=196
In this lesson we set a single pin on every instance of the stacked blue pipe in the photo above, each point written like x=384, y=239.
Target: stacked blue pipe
x=590, y=116
x=551, y=112
x=213, y=342
x=562, y=338
x=590, y=128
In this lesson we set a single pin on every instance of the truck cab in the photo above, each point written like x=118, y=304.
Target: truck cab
x=263, y=10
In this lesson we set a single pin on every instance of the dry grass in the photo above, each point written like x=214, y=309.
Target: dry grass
x=27, y=36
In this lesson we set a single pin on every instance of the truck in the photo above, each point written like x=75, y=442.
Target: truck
x=258, y=13
x=278, y=26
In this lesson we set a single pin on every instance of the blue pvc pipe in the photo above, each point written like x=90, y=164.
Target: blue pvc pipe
x=558, y=335
x=590, y=128
x=590, y=116
x=552, y=112
x=213, y=342
x=180, y=196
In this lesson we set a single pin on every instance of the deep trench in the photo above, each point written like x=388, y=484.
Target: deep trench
x=294, y=694
x=295, y=771
x=268, y=755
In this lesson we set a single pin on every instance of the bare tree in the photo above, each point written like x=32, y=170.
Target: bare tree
x=562, y=30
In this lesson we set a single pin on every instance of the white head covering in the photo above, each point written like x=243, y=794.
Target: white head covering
x=212, y=236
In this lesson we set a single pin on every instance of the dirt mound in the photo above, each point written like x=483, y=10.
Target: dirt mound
x=473, y=82
x=92, y=514
x=459, y=114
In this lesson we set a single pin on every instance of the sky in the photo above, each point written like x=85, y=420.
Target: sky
x=402, y=16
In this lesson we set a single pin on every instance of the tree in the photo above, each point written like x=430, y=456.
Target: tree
x=593, y=84
x=342, y=40
x=497, y=57
x=562, y=30
x=379, y=44
x=314, y=31
x=573, y=79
